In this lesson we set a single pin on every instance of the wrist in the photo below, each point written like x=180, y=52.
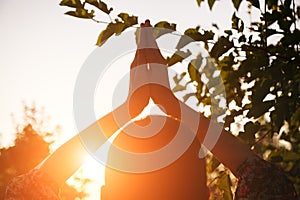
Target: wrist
x=148, y=55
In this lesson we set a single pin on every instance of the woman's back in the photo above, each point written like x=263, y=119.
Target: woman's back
x=178, y=174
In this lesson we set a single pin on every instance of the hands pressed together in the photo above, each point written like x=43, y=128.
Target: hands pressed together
x=149, y=77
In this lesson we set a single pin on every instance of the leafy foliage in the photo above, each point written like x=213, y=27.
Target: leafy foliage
x=30, y=148
x=163, y=27
x=81, y=7
x=117, y=27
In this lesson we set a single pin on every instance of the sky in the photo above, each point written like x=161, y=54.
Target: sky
x=42, y=51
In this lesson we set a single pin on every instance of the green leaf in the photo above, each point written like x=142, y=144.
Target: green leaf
x=192, y=34
x=178, y=56
x=280, y=155
x=237, y=23
x=103, y=7
x=211, y=3
x=291, y=156
x=260, y=90
x=236, y=3
x=229, y=32
x=224, y=185
x=178, y=78
x=193, y=71
x=105, y=34
x=216, y=26
x=71, y=3
x=272, y=17
x=255, y=3
x=260, y=108
x=116, y=28
x=281, y=112
x=199, y=2
x=128, y=20
x=100, y=5
x=179, y=88
x=93, y=2
x=209, y=68
x=187, y=96
x=213, y=164
x=247, y=138
x=220, y=47
x=165, y=24
x=251, y=128
x=112, y=28
x=295, y=119
x=163, y=27
x=276, y=158
x=81, y=13
x=242, y=39
x=287, y=3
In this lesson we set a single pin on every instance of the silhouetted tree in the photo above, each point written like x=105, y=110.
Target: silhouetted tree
x=29, y=149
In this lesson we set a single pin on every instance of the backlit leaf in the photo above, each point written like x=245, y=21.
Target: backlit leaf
x=93, y=2
x=81, y=13
x=260, y=109
x=178, y=56
x=179, y=88
x=213, y=164
x=211, y=3
x=105, y=34
x=224, y=184
x=193, y=71
x=251, y=128
x=71, y=3
x=117, y=27
x=128, y=20
x=163, y=27
x=199, y=2
x=255, y=3
x=100, y=5
x=221, y=47
x=193, y=34
x=112, y=28
x=187, y=96
x=236, y=3
x=104, y=8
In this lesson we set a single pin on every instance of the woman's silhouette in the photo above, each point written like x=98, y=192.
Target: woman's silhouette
x=185, y=178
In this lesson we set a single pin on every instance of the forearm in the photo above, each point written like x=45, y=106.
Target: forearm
x=114, y=120
x=227, y=148
x=231, y=151
x=67, y=159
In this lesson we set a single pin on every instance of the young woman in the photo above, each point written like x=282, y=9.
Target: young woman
x=184, y=178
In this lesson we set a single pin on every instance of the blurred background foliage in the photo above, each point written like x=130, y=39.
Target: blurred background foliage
x=31, y=146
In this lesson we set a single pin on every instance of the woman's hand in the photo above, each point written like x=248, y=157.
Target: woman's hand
x=139, y=89
x=160, y=90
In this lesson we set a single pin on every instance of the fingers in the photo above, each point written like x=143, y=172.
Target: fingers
x=148, y=50
x=146, y=39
